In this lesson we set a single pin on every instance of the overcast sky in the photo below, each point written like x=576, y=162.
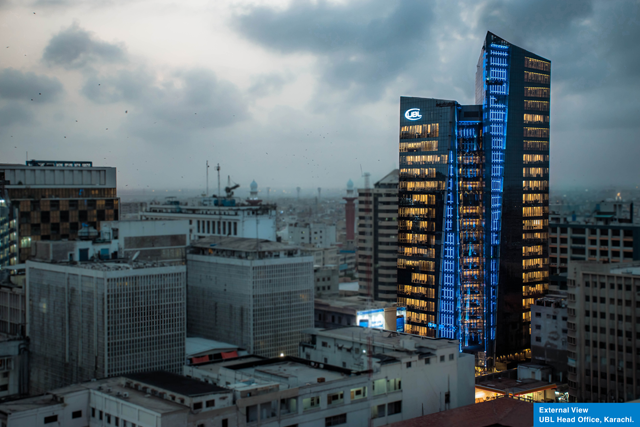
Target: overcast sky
x=300, y=93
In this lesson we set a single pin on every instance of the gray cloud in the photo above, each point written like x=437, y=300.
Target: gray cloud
x=189, y=102
x=267, y=84
x=360, y=46
x=13, y=115
x=76, y=48
x=16, y=85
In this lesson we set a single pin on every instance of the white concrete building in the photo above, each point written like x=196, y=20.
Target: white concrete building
x=434, y=375
x=98, y=319
x=158, y=399
x=315, y=234
x=208, y=220
x=421, y=376
x=256, y=294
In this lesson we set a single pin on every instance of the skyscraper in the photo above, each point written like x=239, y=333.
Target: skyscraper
x=473, y=206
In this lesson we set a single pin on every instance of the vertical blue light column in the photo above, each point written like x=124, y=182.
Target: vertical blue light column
x=496, y=73
x=450, y=277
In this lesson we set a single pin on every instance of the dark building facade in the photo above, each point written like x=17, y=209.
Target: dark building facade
x=473, y=206
x=53, y=200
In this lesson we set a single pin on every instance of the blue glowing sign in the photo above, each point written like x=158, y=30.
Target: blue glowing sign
x=412, y=114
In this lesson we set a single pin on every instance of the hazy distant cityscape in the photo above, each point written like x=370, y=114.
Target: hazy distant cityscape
x=316, y=213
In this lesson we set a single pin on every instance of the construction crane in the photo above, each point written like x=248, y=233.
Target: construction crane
x=229, y=188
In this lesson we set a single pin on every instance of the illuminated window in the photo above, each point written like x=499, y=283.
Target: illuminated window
x=536, y=145
x=417, y=225
x=532, y=250
x=410, y=263
x=535, y=158
x=536, y=118
x=409, y=147
x=536, y=105
x=534, y=211
x=418, y=172
x=420, y=131
x=422, y=160
x=534, y=276
x=423, y=252
x=427, y=199
x=536, y=132
x=420, y=212
x=536, y=77
x=535, y=185
x=537, y=64
x=535, y=236
x=536, y=92
x=534, y=263
x=535, y=172
x=535, y=224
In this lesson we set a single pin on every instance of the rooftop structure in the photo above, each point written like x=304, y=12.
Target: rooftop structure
x=504, y=412
x=158, y=398
x=208, y=219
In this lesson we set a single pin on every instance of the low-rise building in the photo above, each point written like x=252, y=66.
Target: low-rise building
x=549, y=334
x=434, y=375
x=139, y=400
x=338, y=312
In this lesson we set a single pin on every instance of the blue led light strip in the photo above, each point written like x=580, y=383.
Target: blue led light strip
x=496, y=74
x=447, y=327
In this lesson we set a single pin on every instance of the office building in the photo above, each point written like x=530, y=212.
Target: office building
x=101, y=319
x=253, y=293
x=378, y=239
x=603, y=337
x=315, y=234
x=604, y=235
x=473, y=206
x=53, y=200
x=224, y=217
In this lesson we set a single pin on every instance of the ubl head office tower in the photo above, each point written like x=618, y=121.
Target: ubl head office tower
x=473, y=206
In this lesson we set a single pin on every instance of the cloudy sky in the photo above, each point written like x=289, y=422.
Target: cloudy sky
x=298, y=93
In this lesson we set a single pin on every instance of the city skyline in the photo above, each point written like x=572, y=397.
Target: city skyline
x=323, y=103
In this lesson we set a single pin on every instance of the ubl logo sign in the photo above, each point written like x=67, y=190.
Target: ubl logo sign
x=413, y=114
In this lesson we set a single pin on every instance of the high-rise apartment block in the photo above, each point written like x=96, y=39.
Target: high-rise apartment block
x=101, y=319
x=53, y=200
x=603, y=307
x=473, y=206
x=377, y=241
x=254, y=293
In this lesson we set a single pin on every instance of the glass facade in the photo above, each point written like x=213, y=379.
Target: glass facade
x=473, y=206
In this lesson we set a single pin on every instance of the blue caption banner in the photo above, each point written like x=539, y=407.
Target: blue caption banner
x=579, y=414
